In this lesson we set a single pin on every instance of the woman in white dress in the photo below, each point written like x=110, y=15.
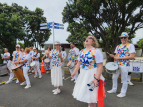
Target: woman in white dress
x=56, y=71
x=90, y=62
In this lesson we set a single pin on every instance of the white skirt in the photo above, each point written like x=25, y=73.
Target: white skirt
x=56, y=76
x=81, y=91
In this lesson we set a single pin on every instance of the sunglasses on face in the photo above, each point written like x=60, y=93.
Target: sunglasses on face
x=123, y=37
x=89, y=38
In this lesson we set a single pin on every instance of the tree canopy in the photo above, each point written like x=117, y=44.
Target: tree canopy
x=20, y=23
x=140, y=44
x=98, y=15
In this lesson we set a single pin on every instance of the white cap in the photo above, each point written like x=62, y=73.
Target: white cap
x=57, y=42
x=124, y=34
x=18, y=46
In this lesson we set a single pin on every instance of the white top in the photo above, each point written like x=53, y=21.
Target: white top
x=124, y=51
x=89, y=59
x=16, y=55
x=28, y=57
x=73, y=53
x=36, y=55
x=31, y=53
x=6, y=55
x=64, y=54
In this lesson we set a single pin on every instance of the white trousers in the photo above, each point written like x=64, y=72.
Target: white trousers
x=71, y=71
x=11, y=73
x=37, y=68
x=123, y=70
x=129, y=78
x=63, y=73
x=25, y=73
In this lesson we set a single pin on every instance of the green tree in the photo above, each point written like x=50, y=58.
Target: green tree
x=78, y=34
x=117, y=15
x=21, y=45
x=140, y=44
x=35, y=18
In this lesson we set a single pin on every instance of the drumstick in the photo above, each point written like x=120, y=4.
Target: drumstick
x=108, y=53
x=67, y=78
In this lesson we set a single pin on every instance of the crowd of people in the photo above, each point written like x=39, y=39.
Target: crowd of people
x=89, y=83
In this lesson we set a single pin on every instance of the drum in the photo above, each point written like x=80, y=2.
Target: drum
x=18, y=71
x=71, y=64
x=111, y=67
x=136, y=66
x=46, y=61
x=3, y=69
x=33, y=64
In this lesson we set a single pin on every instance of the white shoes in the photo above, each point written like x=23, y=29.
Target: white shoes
x=72, y=79
x=17, y=81
x=57, y=92
x=8, y=82
x=54, y=90
x=75, y=81
x=111, y=91
x=40, y=76
x=130, y=83
x=35, y=76
x=63, y=78
x=24, y=83
x=27, y=86
x=121, y=95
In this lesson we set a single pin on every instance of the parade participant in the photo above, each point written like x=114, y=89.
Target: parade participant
x=26, y=64
x=6, y=57
x=23, y=52
x=35, y=57
x=31, y=51
x=72, y=56
x=56, y=71
x=63, y=61
x=47, y=65
x=17, y=55
x=124, y=52
x=90, y=62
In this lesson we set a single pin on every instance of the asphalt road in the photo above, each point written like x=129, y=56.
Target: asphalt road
x=40, y=94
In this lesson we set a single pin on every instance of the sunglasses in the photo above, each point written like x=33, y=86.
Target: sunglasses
x=89, y=38
x=123, y=37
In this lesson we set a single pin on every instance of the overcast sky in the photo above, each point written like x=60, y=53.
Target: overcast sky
x=53, y=12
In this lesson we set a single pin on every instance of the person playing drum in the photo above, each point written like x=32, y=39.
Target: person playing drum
x=17, y=55
x=72, y=56
x=56, y=71
x=47, y=64
x=35, y=57
x=64, y=54
x=124, y=52
x=26, y=64
x=90, y=62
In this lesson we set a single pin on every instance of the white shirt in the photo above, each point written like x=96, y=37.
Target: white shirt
x=6, y=55
x=28, y=57
x=64, y=54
